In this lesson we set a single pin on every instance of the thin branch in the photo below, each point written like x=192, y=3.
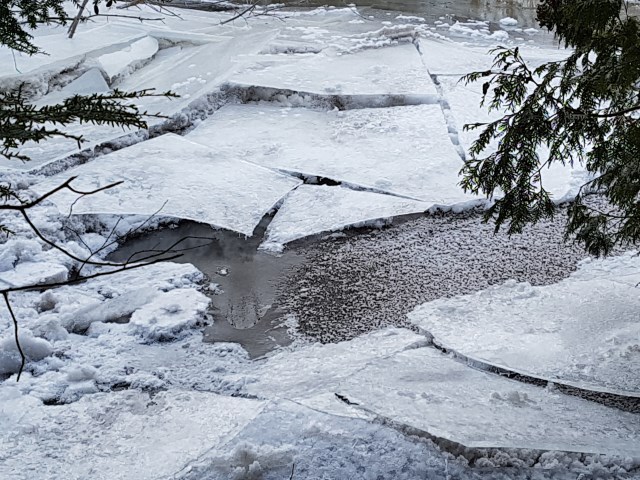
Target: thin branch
x=23, y=357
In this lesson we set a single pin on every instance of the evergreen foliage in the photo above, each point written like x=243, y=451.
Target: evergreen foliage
x=585, y=109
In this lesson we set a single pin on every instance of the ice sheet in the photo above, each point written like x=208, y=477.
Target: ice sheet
x=401, y=150
x=310, y=210
x=582, y=331
x=427, y=390
x=392, y=70
x=177, y=178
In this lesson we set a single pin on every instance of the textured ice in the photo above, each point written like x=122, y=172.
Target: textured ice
x=463, y=105
x=582, y=331
x=90, y=82
x=394, y=70
x=179, y=179
x=426, y=390
x=401, y=150
x=131, y=434
x=310, y=210
x=118, y=63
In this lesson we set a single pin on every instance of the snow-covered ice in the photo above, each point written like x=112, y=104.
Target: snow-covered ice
x=404, y=151
x=177, y=178
x=309, y=210
x=425, y=389
x=582, y=331
x=393, y=70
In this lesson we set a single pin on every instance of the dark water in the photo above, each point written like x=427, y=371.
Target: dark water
x=248, y=281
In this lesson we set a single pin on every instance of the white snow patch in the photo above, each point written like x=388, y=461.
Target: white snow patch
x=508, y=22
x=33, y=273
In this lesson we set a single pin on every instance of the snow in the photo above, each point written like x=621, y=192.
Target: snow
x=310, y=210
x=206, y=185
x=34, y=349
x=582, y=331
x=118, y=63
x=405, y=151
x=394, y=70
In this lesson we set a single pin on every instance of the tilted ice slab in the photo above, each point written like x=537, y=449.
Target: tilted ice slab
x=384, y=71
x=582, y=331
x=310, y=210
x=62, y=52
x=130, y=433
x=118, y=63
x=426, y=390
x=401, y=150
x=177, y=178
x=462, y=106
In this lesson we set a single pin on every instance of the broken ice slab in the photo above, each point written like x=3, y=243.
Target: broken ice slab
x=394, y=70
x=426, y=390
x=405, y=151
x=173, y=177
x=195, y=71
x=310, y=210
x=63, y=53
x=123, y=61
x=582, y=331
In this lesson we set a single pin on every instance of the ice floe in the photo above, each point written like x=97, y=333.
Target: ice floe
x=582, y=331
x=404, y=151
x=175, y=177
x=310, y=210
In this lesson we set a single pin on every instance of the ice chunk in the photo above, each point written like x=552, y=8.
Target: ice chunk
x=429, y=391
x=310, y=210
x=33, y=273
x=178, y=178
x=401, y=150
x=312, y=374
x=392, y=70
x=34, y=348
x=582, y=331
x=508, y=22
x=169, y=314
x=119, y=63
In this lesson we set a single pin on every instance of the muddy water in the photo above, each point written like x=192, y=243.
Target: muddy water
x=245, y=281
